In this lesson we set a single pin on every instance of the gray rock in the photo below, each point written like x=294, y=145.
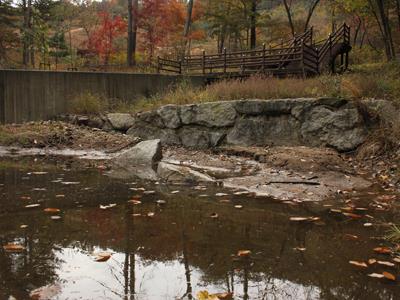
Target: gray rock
x=146, y=153
x=174, y=173
x=194, y=137
x=121, y=122
x=265, y=130
x=211, y=114
x=271, y=107
x=170, y=116
x=342, y=129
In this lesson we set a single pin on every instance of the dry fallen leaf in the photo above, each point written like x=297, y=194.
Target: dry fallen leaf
x=214, y=215
x=386, y=263
x=351, y=215
x=389, y=276
x=52, y=210
x=32, y=205
x=243, y=253
x=108, y=206
x=376, y=275
x=102, y=257
x=135, y=202
x=360, y=264
x=371, y=261
x=204, y=295
x=13, y=248
x=383, y=250
x=351, y=237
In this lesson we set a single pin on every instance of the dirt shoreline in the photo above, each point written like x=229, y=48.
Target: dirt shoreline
x=285, y=173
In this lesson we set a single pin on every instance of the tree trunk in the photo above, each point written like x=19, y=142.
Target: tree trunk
x=398, y=11
x=25, y=49
x=186, y=30
x=30, y=33
x=253, y=24
x=132, y=29
x=289, y=15
x=387, y=34
x=310, y=14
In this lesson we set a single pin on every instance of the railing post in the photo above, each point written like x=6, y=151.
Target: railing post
x=158, y=64
x=330, y=54
x=312, y=35
x=302, y=58
x=263, y=59
x=203, y=62
x=180, y=66
x=224, y=60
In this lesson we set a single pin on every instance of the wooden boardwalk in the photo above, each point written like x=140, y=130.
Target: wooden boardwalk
x=300, y=56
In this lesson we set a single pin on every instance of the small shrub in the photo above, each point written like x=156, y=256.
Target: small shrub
x=88, y=103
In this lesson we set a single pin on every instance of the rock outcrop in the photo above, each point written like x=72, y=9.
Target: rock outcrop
x=330, y=122
x=327, y=122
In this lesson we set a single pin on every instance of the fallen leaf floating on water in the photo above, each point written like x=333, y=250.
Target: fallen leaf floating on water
x=221, y=194
x=161, y=202
x=300, y=249
x=174, y=192
x=225, y=201
x=38, y=173
x=303, y=219
x=136, y=215
x=52, y=210
x=55, y=218
x=360, y=264
x=389, y=276
x=150, y=214
x=368, y=224
x=351, y=215
x=32, y=205
x=102, y=257
x=13, y=248
x=25, y=198
x=371, y=261
x=108, y=206
x=238, y=206
x=396, y=259
x=23, y=226
x=383, y=250
x=214, y=216
x=149, y=192
x=351, y=237
x=70, y=182
x=135, y=202
x=386, y=263
x=243, y=253
x=376, y=275
x=204, y=295
x=60, y=196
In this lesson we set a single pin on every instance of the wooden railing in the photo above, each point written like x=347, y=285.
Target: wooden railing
x=299, y=55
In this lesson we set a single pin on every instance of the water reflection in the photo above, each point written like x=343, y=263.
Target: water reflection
x=176, y=253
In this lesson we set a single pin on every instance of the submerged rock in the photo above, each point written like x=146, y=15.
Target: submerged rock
x=174, y=173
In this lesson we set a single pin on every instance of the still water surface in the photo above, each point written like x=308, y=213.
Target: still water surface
x=179, y=251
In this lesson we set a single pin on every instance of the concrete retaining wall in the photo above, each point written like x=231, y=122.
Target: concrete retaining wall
x=41, y=95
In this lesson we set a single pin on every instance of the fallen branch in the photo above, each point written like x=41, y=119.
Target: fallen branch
x=294, y=182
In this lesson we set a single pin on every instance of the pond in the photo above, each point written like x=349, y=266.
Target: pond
x=186, y=243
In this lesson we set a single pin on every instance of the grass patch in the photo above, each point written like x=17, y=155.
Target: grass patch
x=88, y=103
x=363, y=81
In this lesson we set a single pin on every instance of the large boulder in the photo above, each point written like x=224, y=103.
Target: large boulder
x=265, y=130
x=211, y=114
x=120, y=121
x=342, y=129
x=144, y=154
x=170, y=116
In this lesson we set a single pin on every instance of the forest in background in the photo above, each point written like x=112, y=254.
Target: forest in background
x=72, y=34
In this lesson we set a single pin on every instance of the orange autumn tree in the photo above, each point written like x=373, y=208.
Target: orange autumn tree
x=101, y=40
x=161, y=24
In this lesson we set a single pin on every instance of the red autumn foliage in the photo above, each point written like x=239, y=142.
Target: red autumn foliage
x=101, y=41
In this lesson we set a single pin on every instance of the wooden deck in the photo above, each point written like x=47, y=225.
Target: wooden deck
x=300, y=56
